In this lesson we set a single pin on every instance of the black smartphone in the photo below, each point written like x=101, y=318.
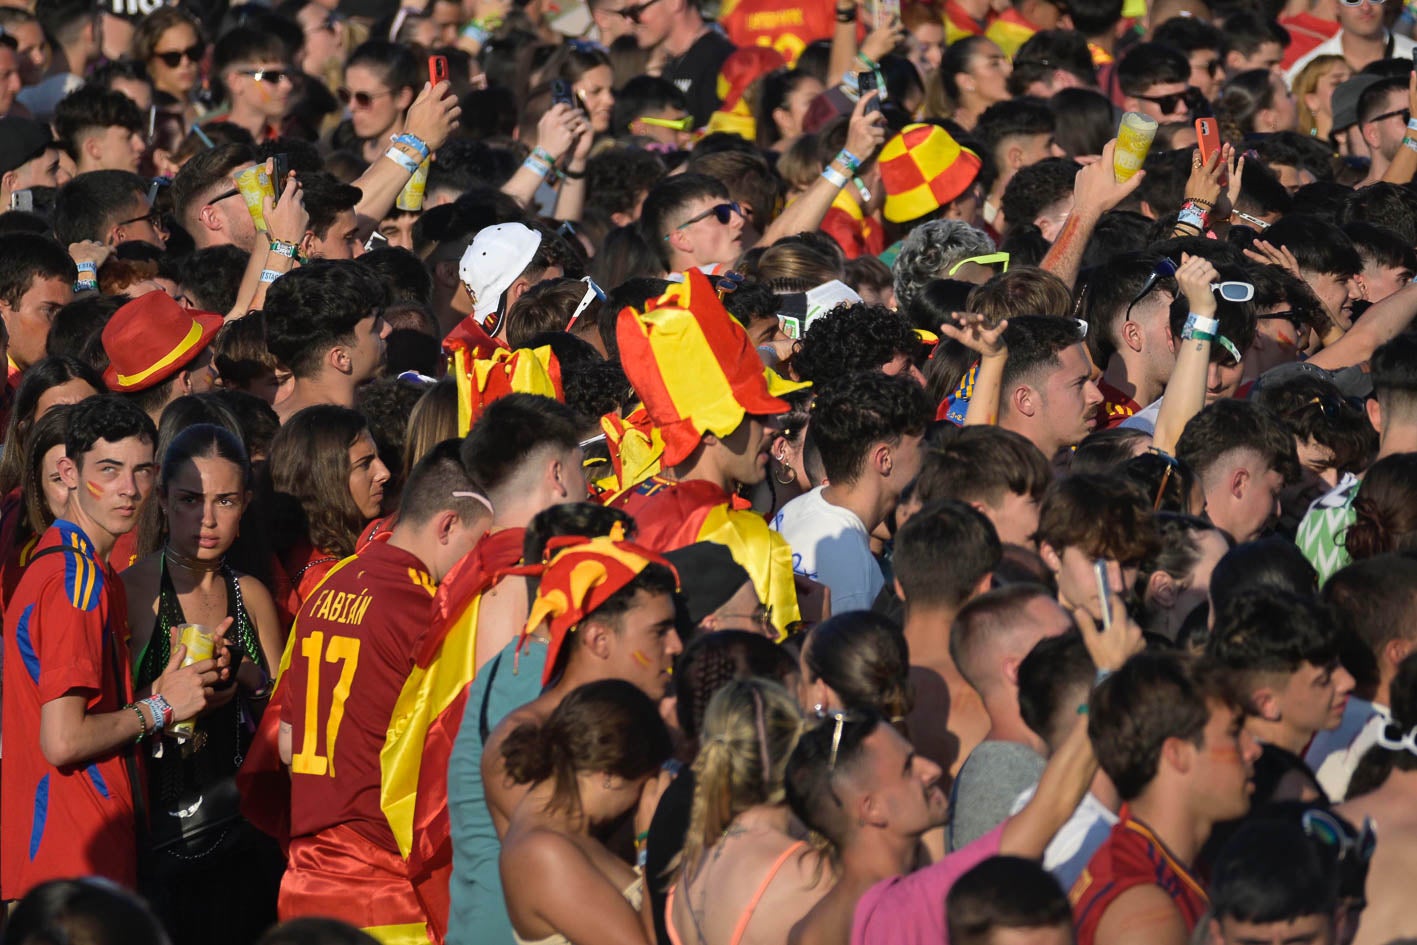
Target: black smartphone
x=867, y=83
x=561, y=93
x=281, y=164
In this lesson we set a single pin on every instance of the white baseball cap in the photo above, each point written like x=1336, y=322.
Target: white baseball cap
x=497, y=256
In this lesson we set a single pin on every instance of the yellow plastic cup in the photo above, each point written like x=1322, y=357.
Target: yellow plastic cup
x=200, y=646
x=1134, y=137
x=254, y=184
x=410, y=199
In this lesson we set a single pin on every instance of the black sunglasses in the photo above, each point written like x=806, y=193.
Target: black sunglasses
x=723, y=212
x=1168, y=103
x=634, y=11
x=173, y=58
x=361, y=99
x=1404, y=113
x=273, y=76
x=152, y=216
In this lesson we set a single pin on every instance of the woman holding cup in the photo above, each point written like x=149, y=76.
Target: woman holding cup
x=197, y=837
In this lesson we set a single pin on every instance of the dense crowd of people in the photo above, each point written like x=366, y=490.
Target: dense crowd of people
x=753, y=474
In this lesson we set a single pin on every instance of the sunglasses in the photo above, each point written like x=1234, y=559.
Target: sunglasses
x=1359, y=3
x=723, y=212
x=1233, y=291
x=173, y=58
x=592, y=291
x=678, y=124
x=840, y=718
x=635, y=10
x=1165, y=269
x=233, y=192
x=1404, y=113
x=1322, y=826
x=1167, y=103
x=359, y=99
x=273, y=76
x=1171, y=467
x=1255, y=222
x=992, y=259
x=152, y=216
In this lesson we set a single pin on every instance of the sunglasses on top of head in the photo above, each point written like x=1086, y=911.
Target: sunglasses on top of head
x=173, y=58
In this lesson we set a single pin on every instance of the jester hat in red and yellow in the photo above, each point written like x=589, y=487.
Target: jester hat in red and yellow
x=582, y=574
x=482, y=380
x=694, y=368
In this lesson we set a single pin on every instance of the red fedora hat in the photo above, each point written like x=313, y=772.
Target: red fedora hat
x=152, y=338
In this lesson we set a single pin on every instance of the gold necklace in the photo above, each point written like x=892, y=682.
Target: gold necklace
x=192, y=564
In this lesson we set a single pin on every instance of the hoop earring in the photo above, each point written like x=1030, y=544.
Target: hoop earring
x=791, y=478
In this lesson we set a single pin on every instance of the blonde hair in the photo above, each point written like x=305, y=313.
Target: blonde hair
x=433, y=419
x=1306, y=82
x=750, y=728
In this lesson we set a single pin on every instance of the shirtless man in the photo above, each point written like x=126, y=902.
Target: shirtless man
x=1393, y=807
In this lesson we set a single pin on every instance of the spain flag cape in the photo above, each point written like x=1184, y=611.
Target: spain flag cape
x=414, y=762
x=263, y=779
x=671, y=515
x=482, y=380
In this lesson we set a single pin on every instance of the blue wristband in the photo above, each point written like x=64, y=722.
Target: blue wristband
x=402, y=160
x=415, y=142
x=270, y=275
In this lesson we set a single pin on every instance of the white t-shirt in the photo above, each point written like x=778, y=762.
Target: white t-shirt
x=831, y=545
x=1333, y=756
x=1072, y=847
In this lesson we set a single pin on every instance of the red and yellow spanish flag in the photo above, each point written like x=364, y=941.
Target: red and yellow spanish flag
x=697, y=372
x=414, y=762
x=482, y=380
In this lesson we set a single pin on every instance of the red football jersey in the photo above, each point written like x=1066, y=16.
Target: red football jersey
x=1132, y=856
x=66, y=633
x=356, y=638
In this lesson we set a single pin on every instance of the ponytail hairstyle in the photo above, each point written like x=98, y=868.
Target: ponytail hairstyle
x=864, y=659
x=1240, y=102
x=956, y=60
x=1396, y=749
x=605, y=727
x=750, y=729
x=46, y=433
x=1386, y=509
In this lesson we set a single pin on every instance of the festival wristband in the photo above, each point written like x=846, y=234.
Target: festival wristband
x=1409, y=143
x=1229, y=347
x=415, y=142
x=848, y=160
x=282, y=248
x=87, y=266
x=1192, y=215
x=476, y=33
x=85, y=285
x=1412, y=124
x=846, y=14
x=545, y=155
x=834, y=176
x=402, y=160
x=861, y=189
x=536, y=165
x=1194, y=322
x=160, y=709
x=270, y=275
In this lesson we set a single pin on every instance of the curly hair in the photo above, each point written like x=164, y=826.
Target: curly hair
x=930, y=251
x=853, y=338
x=1315, y=411
x=1385, y=509
x=863, y=409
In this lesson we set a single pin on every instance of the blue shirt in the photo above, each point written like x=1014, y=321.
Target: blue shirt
x=477, y=913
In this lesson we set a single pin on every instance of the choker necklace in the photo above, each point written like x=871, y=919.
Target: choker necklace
x=192, y=564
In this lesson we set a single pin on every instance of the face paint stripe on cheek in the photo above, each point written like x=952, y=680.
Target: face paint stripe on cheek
x=94, y=490
x=641, y=659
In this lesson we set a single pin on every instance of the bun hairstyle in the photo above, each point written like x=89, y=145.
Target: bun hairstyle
x=607, y=727
x=864, y=658
x=1397, y=743
x=749, y=731
x=1385, y=511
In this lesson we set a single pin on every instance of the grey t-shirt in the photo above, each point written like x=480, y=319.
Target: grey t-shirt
x=993, y=775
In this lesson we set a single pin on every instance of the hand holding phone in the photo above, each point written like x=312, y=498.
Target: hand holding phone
x=280, y=171
x=1104, y=592
x=866, y=81
x=561, y=93
x=437, y=69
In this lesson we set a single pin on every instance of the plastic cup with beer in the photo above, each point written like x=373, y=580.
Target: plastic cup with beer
x=1134, y=137
x=254, y=183
x=410, y=199
x=200, y=646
